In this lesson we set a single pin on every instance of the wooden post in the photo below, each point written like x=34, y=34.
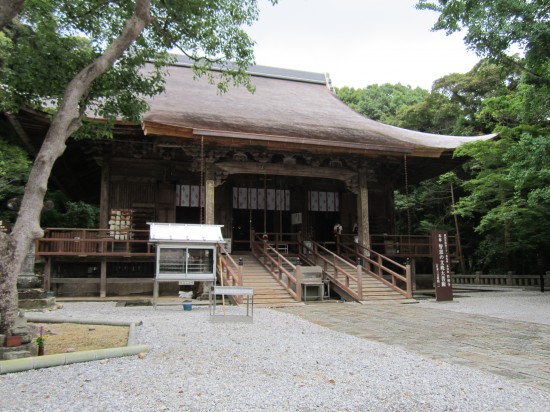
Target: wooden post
x=409, y=280
x=240, y=275
x=104, y=193
x=359, y=279
x=363, y=209
x=209, y=202
x=298, y=276
x=412, y=269
x=103, y=279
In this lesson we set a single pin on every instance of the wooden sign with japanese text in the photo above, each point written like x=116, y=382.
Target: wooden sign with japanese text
x=441, y=266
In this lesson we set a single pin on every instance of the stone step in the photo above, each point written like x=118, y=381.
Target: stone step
x=17, y=354
x=29, y=348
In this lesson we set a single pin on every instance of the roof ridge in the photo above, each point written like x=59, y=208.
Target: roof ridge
x=266, y=71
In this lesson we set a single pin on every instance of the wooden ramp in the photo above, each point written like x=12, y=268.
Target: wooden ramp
x=267, y=291
x=375, y=290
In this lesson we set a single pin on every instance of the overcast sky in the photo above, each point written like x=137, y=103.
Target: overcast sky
x=358, y=42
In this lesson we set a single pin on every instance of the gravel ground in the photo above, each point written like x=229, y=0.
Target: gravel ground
x=278, y=363
x=504, y=303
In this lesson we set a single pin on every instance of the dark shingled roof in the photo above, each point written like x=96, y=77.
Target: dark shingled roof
x=288, y=106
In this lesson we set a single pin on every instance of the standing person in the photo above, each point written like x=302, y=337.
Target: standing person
x=337, y=229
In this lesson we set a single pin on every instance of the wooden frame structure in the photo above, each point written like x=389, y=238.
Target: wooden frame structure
x=246, y=161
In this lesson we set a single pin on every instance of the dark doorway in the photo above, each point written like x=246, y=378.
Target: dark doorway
x=188, y=215
x=244, y=221
x=322, y=225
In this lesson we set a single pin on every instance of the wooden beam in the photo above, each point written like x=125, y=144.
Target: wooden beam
x=304, y=142
x=162, y=129
x=285, y=170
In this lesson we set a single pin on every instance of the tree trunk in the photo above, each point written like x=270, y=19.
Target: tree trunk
x=66, y=121
x=8, y=10
x=8, y=284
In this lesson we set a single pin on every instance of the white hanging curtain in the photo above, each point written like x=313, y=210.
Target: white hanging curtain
x=189, y=196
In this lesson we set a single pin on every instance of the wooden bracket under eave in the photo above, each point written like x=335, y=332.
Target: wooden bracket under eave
x=162, y=129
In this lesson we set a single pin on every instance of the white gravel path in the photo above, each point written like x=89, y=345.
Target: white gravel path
x=278, y=363
x=504, y=303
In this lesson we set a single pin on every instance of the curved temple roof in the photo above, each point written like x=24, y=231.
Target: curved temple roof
x=288, y=107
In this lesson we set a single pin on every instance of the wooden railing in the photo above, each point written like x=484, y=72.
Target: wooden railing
x=386, y=270
x=285, y=273
x=508, y=279
x=404, y=245
x=282, y=242
x=94, y=242
x=339, y=271
x=229, y=272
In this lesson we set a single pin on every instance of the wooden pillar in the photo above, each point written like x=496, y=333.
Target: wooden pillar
x=209, y=202
x=103, y=279
x=363, y=209
x=104, y=201
x=48, y=274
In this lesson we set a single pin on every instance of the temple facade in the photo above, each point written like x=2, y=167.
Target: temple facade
x=288, y=160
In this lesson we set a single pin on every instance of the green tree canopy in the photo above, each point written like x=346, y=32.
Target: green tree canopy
x=14, y=170
x=455, y=100
x=497, y=28
x=75, y=57
x=381, y=102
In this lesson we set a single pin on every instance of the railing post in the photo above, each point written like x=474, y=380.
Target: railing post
x=240, y=273
x=510, y=278
x=315, y=252
x=359, y=279
x=83, y=242
x=240, y=278
x=409, y=280
x=298, y=276
x=478, y=277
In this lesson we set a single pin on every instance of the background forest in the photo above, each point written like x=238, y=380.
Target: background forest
x=500, y=197
x=502, y=192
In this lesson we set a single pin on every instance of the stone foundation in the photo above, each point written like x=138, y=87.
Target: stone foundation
x=45, y=303
x=27, y=332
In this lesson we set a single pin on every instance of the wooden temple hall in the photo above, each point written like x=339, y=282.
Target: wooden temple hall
x=277, y=169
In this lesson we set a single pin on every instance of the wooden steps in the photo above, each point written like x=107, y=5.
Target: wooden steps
x=267, y=291
x=374, y=290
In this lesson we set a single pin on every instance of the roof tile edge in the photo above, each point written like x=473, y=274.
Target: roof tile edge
x=266, y=71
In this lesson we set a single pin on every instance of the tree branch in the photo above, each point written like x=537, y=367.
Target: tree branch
x=65, y=122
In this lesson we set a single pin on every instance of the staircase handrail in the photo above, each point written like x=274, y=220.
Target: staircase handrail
x=273, y=261
x=376, y=266
x=229, y=272
x=340, y=266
